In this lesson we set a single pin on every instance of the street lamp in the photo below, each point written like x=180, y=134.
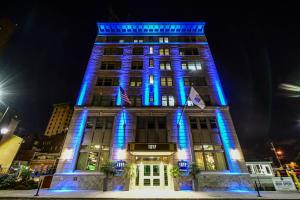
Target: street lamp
x=4, y=131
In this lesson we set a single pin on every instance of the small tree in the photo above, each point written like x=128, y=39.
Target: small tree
x=128, y=171
x=108, y=167
x=175, y=172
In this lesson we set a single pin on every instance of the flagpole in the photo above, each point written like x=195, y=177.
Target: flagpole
x=183, y=110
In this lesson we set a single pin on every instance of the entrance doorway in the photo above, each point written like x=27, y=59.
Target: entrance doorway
x=151, y=173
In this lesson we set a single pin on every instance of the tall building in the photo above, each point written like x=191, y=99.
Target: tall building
x=155, y=64
x=60, y=119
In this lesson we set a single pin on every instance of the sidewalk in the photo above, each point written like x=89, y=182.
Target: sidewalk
x=143, y=194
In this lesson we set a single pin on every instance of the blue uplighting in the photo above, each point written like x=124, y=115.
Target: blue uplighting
x=183, y=139
x=87, y=79
x=151, y=28
x=228, y=143
x=120, y=136
x=215, y=80
x=75, y=145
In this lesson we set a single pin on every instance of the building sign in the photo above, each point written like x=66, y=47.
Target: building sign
x=183, y=165
x=152, y=147
x=284, y=183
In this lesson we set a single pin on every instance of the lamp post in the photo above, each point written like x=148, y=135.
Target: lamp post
x=276, y=154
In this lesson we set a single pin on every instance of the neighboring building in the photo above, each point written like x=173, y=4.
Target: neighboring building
x=7, y=28
x=9, y=143
x=156, y=64
x=60, y=119
x=261, y=172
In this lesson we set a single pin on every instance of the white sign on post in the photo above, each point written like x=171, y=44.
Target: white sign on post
x=284, y=183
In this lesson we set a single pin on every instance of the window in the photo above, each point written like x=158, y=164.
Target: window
x=193, y=123
x=137, y=65
x=95, y=143
x=213, y=122
x=206, y=99
x=195, y=81
x=151, y=129
x=167, y=100
x=100, y=100
x=151, y=62
x=165, y=65
x=151, y=80
x=150, y=50
x=112, y=39
x=166, y=81
x=164, y=51
x=138, y=40
x=191, y=65
x=113, y=51
x=138, y=51
x=135, y=82
x=163, y=40
x=203, y=123
x=113, y=81
x=110, y=65
x=188, y=51
x=136, y=101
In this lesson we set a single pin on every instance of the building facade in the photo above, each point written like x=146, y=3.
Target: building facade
x=262, y=173
x=156, y=64
x=60, y=119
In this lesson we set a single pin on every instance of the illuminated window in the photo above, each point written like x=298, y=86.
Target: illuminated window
x=191, y=65
x=165, y=65
x=166, y=81
x=151, y=80
x=135, y=82
x=167, y=100
x=151, y=62
x=150, y=50
x=163, y=40
x=164, y=51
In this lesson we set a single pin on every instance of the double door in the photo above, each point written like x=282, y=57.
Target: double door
x=152, y=175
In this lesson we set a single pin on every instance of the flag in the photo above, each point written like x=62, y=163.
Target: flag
x=196, y=99
x=124, y=96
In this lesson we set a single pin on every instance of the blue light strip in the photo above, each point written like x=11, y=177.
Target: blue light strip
x=145, y=81
x=151, y=28
x=120, y=134
x=215, y=80
x=75, y=144
x=87, y=79
x=183, y=139
x=156, y=74
x=228, y=142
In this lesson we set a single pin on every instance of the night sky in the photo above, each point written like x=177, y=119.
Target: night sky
x=255, y=47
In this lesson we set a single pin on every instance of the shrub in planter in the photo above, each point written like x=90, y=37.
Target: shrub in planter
x=7, y=181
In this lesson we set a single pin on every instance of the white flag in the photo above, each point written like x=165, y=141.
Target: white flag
x=196, y=99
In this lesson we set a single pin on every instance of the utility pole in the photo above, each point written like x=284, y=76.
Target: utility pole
x=273, y=148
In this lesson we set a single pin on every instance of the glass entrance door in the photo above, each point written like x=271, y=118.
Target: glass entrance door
x=151, y=175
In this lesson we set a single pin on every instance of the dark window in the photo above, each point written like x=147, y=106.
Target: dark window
x=138, y=51
x=136, y=101
x=137, y=65
x=188, y=51
x=206, y=99
x=101, y=81
x=193, y=122
x=113, y=51
x=99, y=100
x=161, y=122
x=110, y=65
x=151, y=123
x=212, y=122
x=203, y=123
